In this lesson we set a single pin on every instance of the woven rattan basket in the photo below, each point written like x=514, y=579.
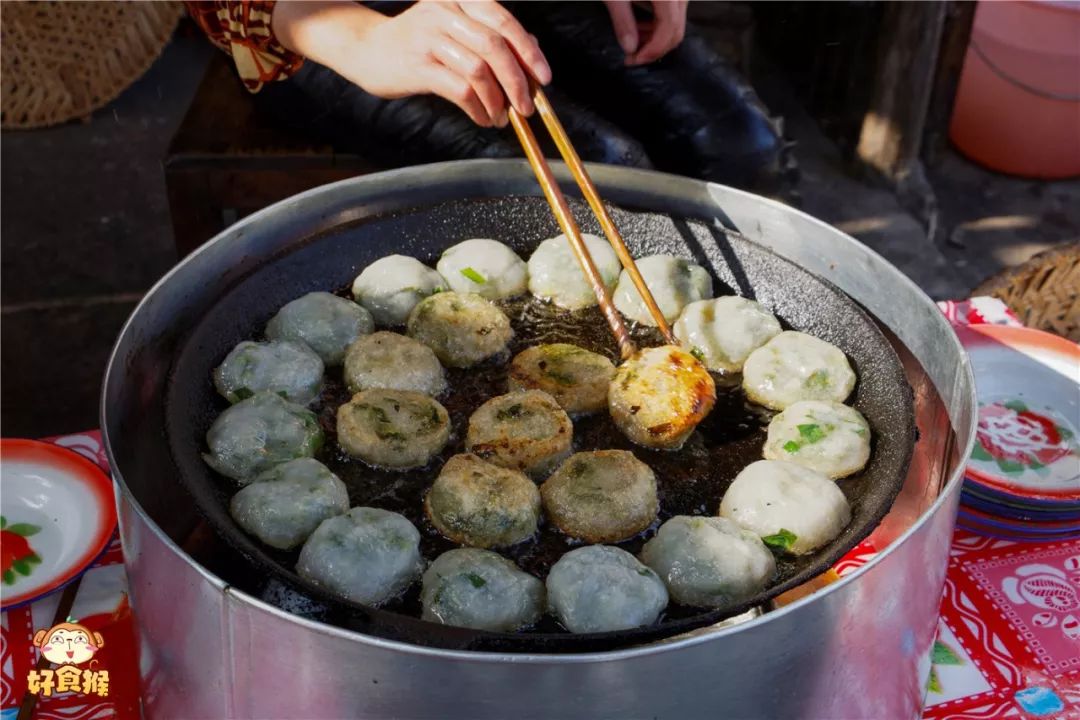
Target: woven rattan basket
x=63, y=60
x=1044, y=292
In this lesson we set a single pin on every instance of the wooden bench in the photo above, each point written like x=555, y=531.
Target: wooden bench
x=227, y=161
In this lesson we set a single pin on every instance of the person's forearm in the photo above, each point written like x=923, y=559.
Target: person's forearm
x=470, y=53
x=323, y=30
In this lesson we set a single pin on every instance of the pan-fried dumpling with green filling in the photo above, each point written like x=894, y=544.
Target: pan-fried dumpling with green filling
x=393, y=362
x=723, y=332
x=577, y=378
x=391, y=287
x=474, y=502
x=601, y=496
x=485, y=267
x=324, y=322
x=674, y=282
x=482, y=590
x=795, y=366
x=393, y=429
x=556, y=275
x=599, y=588
x=659, y=395
x=290, y=369
x=367, y=555
x=790, y=507
x=283, y=505
x=829, y=437
x=462, y=329
x=708, y=561
x=525, y=430
x=255, y=434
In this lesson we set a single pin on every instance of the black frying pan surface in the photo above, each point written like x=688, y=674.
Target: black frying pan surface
x=691, y=481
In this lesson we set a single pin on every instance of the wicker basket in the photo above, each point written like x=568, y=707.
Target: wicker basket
x=63, y=60
x=1044, y=292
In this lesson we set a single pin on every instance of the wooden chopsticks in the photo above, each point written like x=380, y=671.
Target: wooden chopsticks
x=588, y=189
x=569, y=226
x=566, y=221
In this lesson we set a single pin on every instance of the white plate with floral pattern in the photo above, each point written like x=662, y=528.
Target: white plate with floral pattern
x=57, y=514
x=1028, y=438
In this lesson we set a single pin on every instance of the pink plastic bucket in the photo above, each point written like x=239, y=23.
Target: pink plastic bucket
x=1017, y=105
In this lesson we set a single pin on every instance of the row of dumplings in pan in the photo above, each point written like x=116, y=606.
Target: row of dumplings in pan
x=728, y=334
x=370, y=555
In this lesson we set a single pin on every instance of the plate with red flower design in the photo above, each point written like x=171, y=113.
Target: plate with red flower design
x=1028, y=439
x=57, y=513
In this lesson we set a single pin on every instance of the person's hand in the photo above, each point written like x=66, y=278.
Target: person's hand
x=644, y=42
x=466, y=52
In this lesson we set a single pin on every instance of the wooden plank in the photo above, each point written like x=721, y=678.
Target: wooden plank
x=892, y=129
x=201, y=198
x=195, y=211
x=223, y=120
x=959, y=17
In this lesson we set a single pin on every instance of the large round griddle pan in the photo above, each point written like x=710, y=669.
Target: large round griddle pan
x=335, y=256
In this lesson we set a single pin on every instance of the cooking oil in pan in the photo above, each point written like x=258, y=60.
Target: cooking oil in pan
x=690, y=481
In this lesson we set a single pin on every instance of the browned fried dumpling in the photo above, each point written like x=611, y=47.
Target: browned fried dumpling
x=602, y=496
x=462, y=328
x=659, y=396
x=475, y=503
x=576, y=378
x=395, y=362
x=525, y=430
x=396, y=429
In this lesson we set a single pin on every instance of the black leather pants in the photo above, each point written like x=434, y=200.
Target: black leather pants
x=689, y=113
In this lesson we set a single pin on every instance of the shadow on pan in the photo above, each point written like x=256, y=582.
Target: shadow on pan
x=691, y=481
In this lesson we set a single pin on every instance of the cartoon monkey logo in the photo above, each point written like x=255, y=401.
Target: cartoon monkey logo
x=68, y=643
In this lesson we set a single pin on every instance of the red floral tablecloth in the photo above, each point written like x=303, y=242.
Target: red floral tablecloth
x=1008, y=637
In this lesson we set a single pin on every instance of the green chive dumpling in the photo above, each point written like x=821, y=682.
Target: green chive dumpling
x=601, y=496
x=394, y=429
x=393, y=362
x=599, y=588
x=788, y=506
x=255, y=434
x=525, y=430
x=709, y=561
x=390, y=288
x=482, y=590
x=723, y=332
x=829, y=437
x=290, y=369
x=556, y=275
x=283, y=505
x=324, y=322
x=474, y=502
x=673, y=281
x=795, y=366
x=367, y=555
x=577, y=378
x=485, y=267
x=462, y=329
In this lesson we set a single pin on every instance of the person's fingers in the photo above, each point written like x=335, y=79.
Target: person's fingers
x=499, y=19
x=622, y=20
x=491, y=46
x=446, y=83
x=668, y=29
x=476, y=72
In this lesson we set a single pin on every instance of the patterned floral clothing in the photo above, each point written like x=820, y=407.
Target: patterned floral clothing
x=242, y=29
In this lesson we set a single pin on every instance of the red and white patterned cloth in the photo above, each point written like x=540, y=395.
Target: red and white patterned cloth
x=1008, y=637
x=101, y=605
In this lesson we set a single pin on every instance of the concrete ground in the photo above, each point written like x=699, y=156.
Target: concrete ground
x=85, y=231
